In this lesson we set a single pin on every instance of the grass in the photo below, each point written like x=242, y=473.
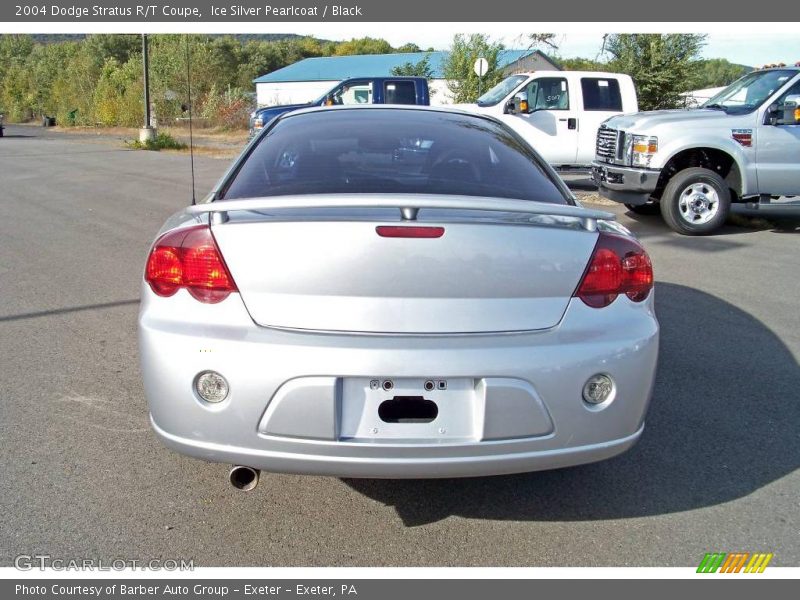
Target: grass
x=162, y=141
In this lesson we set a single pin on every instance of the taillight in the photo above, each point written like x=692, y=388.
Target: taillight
x=619, y=265
x=189, y=258
x=403, y=231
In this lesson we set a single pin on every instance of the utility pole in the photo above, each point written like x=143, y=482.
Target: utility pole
x=146, y=133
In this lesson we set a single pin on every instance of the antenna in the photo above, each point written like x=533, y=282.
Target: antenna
x=191, y=135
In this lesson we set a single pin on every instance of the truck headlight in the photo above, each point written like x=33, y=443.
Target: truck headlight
x=642, y=149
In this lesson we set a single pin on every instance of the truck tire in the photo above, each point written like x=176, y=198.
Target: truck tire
x=651, y=208
x=696, y=201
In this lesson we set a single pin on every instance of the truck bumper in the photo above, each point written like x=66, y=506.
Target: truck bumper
x=625, y=184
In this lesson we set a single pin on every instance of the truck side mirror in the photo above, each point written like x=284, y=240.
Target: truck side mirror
x=521, y=103
x=789, y=111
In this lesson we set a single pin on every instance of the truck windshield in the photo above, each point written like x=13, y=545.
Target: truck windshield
x=501, y=90
x=748, y=93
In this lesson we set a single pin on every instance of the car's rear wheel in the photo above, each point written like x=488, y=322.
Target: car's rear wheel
x=696, y=201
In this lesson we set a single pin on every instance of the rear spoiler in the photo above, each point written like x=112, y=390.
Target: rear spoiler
x=408, y=205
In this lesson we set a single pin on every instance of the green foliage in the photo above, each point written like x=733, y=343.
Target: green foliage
x=118, y=94
x=661, y=65
x=718, y=72
x=462, y=81
x=421, y=68
x=162, y=141
x=409, y=48
x=97, y=79
x=366, y=45
x=582, y=64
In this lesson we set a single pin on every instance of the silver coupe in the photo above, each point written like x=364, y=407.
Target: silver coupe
x=395, y=292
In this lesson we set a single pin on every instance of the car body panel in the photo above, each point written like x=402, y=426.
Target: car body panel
x=518, y=278
x=180, y=337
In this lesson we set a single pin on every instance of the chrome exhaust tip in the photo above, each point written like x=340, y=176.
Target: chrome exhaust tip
x=244, y=478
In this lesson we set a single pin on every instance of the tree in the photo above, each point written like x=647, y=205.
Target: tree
x=661, y=65
x=409, y=48
x=537, y=40
x=93, y=79
x=365, y=45
x=458, y=70
x=421, y=68
x=582, y=64
x=102, y=46
x=716, y=72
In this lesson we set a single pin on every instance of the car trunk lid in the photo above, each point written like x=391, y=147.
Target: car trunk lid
x=333, y=271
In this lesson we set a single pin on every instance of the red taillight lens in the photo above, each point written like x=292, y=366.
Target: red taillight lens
x=164, y=272
x=189, y=258
x=619, y=265
x=404, y=231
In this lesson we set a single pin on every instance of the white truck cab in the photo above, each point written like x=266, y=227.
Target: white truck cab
x=559, y=112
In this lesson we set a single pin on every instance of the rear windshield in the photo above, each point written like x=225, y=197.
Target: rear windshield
x=392, y=151
x=601, y=94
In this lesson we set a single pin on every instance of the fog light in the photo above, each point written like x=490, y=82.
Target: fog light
x=211, y=386
x=598, y=388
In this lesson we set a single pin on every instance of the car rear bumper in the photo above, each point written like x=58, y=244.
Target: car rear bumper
x=626, y=185
x=525, y=412
x=386, y=464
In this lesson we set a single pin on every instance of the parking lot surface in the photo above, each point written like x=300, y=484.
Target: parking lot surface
x=83, y=475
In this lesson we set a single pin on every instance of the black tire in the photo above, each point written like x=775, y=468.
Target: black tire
x=651, y=208
x=671, y=201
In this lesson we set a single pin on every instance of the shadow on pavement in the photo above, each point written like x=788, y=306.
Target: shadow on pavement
x=748, y=223
x=721, y=425
x=68, y=310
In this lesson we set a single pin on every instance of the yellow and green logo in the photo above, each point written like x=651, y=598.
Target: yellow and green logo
x=734, y=562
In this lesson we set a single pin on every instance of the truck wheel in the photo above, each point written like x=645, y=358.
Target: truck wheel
x=696, y=201
x=651, y=208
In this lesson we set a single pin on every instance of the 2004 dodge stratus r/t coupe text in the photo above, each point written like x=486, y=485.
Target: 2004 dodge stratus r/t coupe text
x=395, y=292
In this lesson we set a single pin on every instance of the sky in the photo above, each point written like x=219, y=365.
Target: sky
x=772, y=44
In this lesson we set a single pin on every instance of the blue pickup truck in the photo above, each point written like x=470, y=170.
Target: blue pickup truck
x=360, y=90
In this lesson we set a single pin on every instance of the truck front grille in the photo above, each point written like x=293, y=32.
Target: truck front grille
x=606, y=148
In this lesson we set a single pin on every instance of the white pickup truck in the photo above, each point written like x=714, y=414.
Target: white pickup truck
x=559, y=112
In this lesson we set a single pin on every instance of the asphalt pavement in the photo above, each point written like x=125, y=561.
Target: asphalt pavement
x=82, y=475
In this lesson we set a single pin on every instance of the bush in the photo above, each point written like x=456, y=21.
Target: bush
x=162, y=141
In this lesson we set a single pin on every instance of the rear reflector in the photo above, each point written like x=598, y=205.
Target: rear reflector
x=399, y=231
x=619, y=265
x=189, y=258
